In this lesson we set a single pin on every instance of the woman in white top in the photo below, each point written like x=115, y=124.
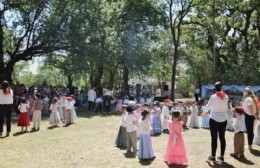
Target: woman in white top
x=217, y=105
x=165, y=115
x=6, y=104
x=249, y=105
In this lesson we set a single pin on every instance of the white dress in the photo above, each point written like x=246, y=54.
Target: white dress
x=165, y=117
x=73, y=112
x=194, y=118
x=257, y=131
x=54, y=117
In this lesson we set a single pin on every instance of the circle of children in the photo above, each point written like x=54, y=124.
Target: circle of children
x=140, y=122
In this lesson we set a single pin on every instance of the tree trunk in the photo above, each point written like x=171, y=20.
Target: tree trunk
x=70, y=80
x=99, y=75
x=174, y=65
x=125, y=78
x=111, y=79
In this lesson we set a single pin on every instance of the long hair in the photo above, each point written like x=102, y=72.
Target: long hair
x=144, y=113
x=249, y=93
x=6, y=87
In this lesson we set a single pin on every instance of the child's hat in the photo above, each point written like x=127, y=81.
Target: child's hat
x=130, y=108
x=176, y=111
x=69, y=98
x=156, y=103
x=239, y=110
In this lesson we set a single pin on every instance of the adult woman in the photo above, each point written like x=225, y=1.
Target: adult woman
x=249, y=105
x=217, y=105
x=6, y=104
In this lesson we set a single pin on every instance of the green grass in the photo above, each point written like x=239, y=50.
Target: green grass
x=90, y=144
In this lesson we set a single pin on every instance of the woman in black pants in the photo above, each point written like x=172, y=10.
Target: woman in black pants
x=249, y=104
x=217, y=105
x=6, y=104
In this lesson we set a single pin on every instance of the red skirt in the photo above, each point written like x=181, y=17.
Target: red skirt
x=23, y=120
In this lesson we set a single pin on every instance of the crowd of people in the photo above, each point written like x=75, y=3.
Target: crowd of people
x=141, y=121
x=142, y=117
x=31, y=108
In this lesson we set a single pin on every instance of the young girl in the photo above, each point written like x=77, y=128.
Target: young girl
x=194, y=118
x=229, y=116
x=145, y=144
x=30, y=102
x=131, y=124
x=121, y=140
x=54, y=117
x=156, y=120
x=165, y=115
x=119, y=104
x=175, y=151
x=60, y=108
x=205, y=120
x=23, y=120
x=73, y=111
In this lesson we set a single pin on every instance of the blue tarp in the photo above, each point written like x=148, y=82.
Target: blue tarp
x=208, y=90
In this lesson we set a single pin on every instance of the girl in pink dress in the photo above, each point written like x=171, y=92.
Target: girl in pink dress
x=175, y=151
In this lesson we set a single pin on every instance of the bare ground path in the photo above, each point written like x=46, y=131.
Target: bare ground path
x=90, y=144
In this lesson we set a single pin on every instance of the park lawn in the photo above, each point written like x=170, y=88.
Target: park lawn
x=90, y=143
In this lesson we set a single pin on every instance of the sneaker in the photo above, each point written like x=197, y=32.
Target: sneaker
x=250, y=147
x=221, y=158
x=7, y=134
x=212, y=158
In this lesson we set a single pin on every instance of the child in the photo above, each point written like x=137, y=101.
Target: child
x=229, y=116
x=165, y=115
x=156, y=120
x=68, y=108
x=45, y=101
x=194, y=118
x=99, y=104
x=121, y=140
x=184, y=116
x=145, y=144
x=119, y=104
x=23, y=120
x=60, y=108
x=205, y=120
x=239, y=129
x=73, y=111
x=37, y=112
x=30, y=102
x=131, y=124
x=54, y=117
x=175, y=151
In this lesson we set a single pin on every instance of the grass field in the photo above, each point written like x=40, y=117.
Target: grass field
x=90, y=144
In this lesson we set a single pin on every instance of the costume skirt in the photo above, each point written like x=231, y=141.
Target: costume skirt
x=54, y=118
x=156, y=125
x=145, y=147
x=23, y=120
x=121, y=139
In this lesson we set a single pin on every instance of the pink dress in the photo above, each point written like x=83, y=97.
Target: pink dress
x=175, y=151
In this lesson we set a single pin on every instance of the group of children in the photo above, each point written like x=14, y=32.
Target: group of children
x=62, y=110
x=139, y=122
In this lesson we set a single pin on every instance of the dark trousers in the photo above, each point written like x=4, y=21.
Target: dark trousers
x=217, y=129
x=249, y=122
x=5, y=113
x=90, y=105
x=99, y=107
x=107, y=103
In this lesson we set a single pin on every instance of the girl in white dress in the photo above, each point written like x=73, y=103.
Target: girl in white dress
x=194, y=118
x=165, y=115
x=54, y=117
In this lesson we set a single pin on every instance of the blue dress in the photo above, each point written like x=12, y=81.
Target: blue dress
x=205, y=120
x=156, y=123
x=145, y=142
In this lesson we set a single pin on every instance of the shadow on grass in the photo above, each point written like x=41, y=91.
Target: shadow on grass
x=244, y=160
x=130, y=155
x=177, y=166
x=146, y=162
x=255, y=152
x=220, y=164
x=20, y=133
x=52, y=127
